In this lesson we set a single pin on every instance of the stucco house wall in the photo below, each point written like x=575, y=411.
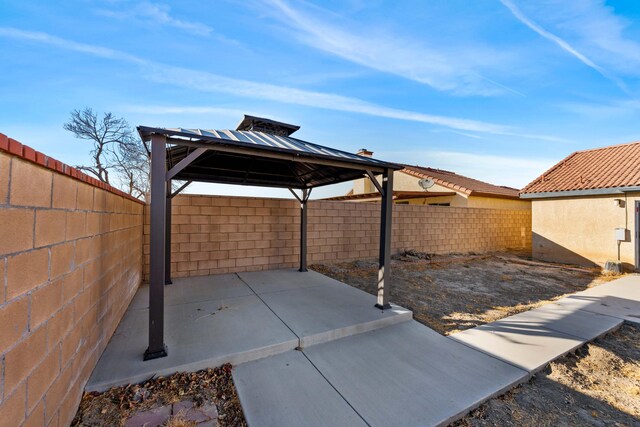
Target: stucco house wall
x=405, y=182
x=581, y=230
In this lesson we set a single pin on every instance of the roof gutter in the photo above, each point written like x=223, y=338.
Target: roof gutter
x=494, y=195
x=579, y=193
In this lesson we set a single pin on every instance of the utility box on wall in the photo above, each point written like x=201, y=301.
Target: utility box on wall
x=623, y=235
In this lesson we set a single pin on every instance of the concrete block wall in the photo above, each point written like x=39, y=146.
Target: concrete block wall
x=212, y=235
x=70, y=262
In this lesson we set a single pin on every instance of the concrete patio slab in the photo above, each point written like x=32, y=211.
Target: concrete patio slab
x=189, y=289
x=262, y=282
x=528, y=346
x=566, y=319
x=198, y=335
x=409, y=375
x=286, y=390
x=331, y=311
x=212, y=320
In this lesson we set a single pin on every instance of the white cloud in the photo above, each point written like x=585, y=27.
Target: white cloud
x=592, y=23
x=445, y=68
x=208, y=82
x=50, y=40
x=147, y=11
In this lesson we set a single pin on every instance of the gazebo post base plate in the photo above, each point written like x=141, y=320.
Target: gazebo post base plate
x=387, y=306
x=150, y=355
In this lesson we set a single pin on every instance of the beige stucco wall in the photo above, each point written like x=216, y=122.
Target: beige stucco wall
x=497, y=203
x=406, y=182
x=582, y=230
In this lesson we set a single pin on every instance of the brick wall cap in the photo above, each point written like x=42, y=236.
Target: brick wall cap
x=27, y=153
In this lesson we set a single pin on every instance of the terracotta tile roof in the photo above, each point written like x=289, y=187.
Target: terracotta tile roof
x=461, y=183
x=607, y=167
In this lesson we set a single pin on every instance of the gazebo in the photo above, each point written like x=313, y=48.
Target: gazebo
x=260, y=152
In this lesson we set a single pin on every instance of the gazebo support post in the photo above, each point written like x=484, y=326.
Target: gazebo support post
x=384, y=273
x=157, y=348
x=167, y=234
x=303, y=230
x=303, y=225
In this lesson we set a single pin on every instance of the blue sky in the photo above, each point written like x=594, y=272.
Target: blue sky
x=498, y=90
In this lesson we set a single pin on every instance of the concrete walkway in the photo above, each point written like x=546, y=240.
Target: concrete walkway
x=408, y=375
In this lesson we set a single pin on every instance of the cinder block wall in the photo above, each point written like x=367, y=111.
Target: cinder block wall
x=212, y=235
x=70, y=262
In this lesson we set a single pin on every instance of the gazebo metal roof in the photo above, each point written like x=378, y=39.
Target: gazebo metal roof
x=260, y=152
x=260, y=159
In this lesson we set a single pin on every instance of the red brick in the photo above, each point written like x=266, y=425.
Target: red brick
x=4, y=142
x=27, y=271
x=41, y=159
x=41, y=378
x=17, y=230
x=13, y=408
x=14, y=318
x=23, y=358
x=15, y=147
x=29, y=153
x=44, y=302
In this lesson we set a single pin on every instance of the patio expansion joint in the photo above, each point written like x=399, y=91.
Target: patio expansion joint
x=270, y=309
x=334, y=388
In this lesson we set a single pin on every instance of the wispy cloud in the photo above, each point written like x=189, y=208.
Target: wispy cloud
x=157, y=13
x=443, y=68
x=44, y=38
x=562, y=43
x=208, y=82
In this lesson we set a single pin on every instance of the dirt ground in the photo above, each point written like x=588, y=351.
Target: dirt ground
x=450, y=293
x=113, y=407
x=597, y=386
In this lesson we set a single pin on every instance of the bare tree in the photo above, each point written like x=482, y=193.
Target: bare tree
x=115, y=149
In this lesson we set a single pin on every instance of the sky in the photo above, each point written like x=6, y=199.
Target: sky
x=498, y=90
